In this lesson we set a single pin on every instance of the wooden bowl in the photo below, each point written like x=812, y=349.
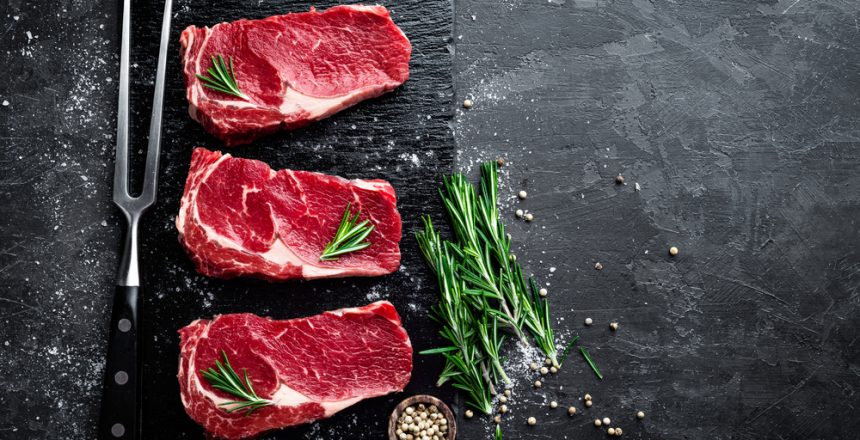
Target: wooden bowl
x=426, y=400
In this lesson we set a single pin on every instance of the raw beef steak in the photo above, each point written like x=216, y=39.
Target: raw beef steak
x=240, y=217
x=310, y=368
x=293, y=69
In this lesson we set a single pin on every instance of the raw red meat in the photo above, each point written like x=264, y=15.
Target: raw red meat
x=310, y=367
x=239, y=217
x=294, y=69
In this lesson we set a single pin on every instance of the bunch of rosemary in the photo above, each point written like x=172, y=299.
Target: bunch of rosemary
x=482, y=289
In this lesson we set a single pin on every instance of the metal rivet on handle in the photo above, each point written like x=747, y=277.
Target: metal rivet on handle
x=121, y=377
x=124, y=325
x=117, y=430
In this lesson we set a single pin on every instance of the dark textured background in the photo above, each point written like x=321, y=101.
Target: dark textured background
x=739, y=121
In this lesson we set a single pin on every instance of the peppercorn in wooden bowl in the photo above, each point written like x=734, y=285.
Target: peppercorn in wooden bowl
x=422, y=416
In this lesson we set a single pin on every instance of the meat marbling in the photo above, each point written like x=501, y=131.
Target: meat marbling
x=238, y=217
x=310, y=368
x=293, y=69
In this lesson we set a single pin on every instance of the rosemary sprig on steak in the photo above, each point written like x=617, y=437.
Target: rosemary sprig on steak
x=349, y=237
x=221, y=77
x=224, y=378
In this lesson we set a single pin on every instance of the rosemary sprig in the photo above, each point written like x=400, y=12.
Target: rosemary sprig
x=477, y=266
x=484, y=292
x=533, y=309
x=487, y=326
x=221, y=77
x=487, y=265
x=466, y=365
x=590, y=362
x=225, y=379
x=349, y=237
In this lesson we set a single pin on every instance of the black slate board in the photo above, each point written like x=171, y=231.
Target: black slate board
x=403, y=137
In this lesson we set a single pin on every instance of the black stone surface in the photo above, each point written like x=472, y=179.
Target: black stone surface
x=735, y=124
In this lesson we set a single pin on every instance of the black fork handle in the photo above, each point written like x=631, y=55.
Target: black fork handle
x=121, y=395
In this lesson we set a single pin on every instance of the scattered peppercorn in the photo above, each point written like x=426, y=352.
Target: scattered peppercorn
x=619, y=179
x=588, y=404
x=469, y=413
x=497, y=419
x=597, y=422
x=553, y=369
x=543, y=292
x=571, y=411
x=544, y=370
x=553, y=404
x=547, y=361
x=503, y=409
x=598, y=266
x=532, y=421
x=588, y=321
x=673, y=251
x=586, y=397
x=522, y=194
x=538, y=384
x=529, y=217
x=501, y=161
x=618, y=432
x=640, y=415
x=467, y=103
x=613, y=326
x=606, y=421
x=610, y=431
x=534, y=366
x=519, y=213
x=503, y=399
x=508, y=393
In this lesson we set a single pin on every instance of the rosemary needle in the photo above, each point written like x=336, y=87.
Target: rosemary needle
x=590, y=362
x=567, y=349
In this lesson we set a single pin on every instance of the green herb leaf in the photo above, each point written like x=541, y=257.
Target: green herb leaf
x=224, y=378
x=567, y=350
x=221, y=77
x=438, y=350
x=498, y=433
x=349, y=237
x=590, y=362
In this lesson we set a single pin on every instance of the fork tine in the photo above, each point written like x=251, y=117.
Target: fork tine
x=150, y=180
x=120, y=176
